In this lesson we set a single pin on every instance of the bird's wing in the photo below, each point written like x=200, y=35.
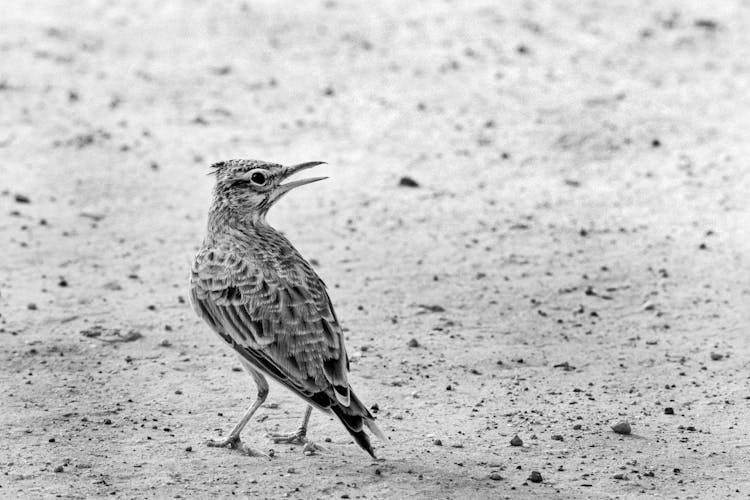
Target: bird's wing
x=283, y=324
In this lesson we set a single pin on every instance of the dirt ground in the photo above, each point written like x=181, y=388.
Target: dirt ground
x=575, y=253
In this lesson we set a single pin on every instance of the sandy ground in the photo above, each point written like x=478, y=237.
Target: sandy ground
x=576, y=252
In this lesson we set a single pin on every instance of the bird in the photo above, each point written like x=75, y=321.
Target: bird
x=257, y=292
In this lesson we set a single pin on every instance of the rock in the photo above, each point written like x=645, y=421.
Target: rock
x=413, y=343
x=620, y=477
x=112, y=285
x=535, y=477
x=131, y=336
x=21, y=198
x=437, y=442
x=516, y=441
x=94, y=331
x=706, y=24
x=622, y=428
x=557, y=437
x=432, y=308
x=495, y=476
x=59, y=468
x=669, y=410
x=565, y=366
x=715, y=356
x=408, y=182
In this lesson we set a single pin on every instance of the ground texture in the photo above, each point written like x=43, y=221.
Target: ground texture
x=575, y=253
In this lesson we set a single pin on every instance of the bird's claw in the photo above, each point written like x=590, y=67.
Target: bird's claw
x=297, y=438
x=312, y=448
x=234, y=443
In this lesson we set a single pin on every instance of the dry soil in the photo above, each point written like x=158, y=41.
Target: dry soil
x=575, y=252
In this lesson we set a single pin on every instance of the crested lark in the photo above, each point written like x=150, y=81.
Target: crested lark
x=265, y=300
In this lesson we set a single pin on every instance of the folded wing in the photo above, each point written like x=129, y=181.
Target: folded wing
x=283, y=323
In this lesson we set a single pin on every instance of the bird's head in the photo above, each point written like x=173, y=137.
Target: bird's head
x=253, y=186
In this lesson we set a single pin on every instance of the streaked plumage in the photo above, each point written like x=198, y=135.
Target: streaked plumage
x=264, y=299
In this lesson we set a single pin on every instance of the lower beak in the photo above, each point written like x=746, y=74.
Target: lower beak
x=289, y=171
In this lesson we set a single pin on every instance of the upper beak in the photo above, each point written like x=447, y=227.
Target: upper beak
x=288, y=171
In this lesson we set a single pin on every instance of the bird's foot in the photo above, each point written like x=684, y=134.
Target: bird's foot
x=234, y=443
x=312, y=448
x=297, y=438
x=294, y=438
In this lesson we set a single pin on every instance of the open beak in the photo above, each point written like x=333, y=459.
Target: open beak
x=289, y=171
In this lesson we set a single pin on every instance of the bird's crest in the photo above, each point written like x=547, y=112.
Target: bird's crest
x=216, y=167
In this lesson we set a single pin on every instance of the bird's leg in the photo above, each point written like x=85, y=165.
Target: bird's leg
x=233, y=440
x=298, y=437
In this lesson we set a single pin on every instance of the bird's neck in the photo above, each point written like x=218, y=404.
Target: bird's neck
x=222, y=217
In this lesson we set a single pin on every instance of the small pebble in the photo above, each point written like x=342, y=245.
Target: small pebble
x=622, y=428
x=557, y=437
x=620, y=477
x=495, y=476
x=516, y=441
x=715, y=356
x=59, y=468
x=437, y=442
x=535, y=477
x=165, y=343
x=21, y=198
x=408, y=182
x=413, y=343
x=31, y=306
x=112, y=285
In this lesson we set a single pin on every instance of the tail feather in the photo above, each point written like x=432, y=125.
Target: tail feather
x=374, y=429
x=355, y=417
x=353, y=424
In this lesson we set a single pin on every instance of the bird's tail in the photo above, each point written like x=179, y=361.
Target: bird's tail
x=355, y=417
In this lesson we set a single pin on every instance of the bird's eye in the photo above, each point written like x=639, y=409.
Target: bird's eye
x=258, y=178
